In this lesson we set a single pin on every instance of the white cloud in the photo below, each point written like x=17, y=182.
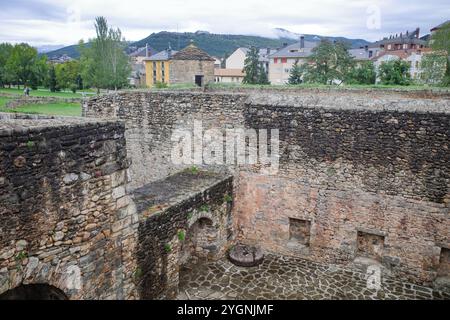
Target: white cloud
x=67, y=21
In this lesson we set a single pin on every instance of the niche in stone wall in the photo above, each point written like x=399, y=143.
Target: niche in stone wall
x=200, y=242
x=370, y=246
x=444, y=263
x=299, y=232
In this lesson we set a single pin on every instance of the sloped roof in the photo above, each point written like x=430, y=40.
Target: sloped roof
x=359, y=54
x=161, y=56
x=141, y=52
x=402, y=54
x=263, y=56
x=191, y=52
x=229, y=72
x=294, y=50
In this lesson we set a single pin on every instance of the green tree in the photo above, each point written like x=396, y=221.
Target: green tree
x=440, y=41
x=433, y=67
x=295, y=77
x=24, y=64
x=52, y=84
x=262, y=75
x=39, y=72
x=67, y=74
x=251, y=67
x=363, y=73
x=329, y=63
x=105, y=64
x=395, y=72
x=5, y=53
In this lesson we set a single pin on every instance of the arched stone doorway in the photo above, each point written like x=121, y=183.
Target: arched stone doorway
x=34, y=292
x=200, y=242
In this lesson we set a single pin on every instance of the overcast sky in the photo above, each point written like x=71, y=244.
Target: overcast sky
x=42, y=22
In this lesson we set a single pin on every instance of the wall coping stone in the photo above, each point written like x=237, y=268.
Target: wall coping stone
x=157, y=196
x=16, y=123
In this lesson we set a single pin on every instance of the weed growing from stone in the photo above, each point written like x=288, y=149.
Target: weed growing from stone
x=227, y=198
x=181, y=235
x=167, y=248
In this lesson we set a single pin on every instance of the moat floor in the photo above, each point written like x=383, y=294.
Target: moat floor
x=290, y=278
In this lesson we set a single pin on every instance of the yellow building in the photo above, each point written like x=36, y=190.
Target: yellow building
x=157, y=68
x=190, y=65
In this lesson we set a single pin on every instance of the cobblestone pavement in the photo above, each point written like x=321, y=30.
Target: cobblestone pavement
x=290, y=278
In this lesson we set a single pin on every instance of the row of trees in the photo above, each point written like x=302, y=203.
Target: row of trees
x=20, y=64
x=103, y=64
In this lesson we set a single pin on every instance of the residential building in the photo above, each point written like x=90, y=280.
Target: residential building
x=137, y=58
x=237, y=59
x=139, y=55
x=228, y=75
x=402, y=41
x=412, y=56
x=189, y=65
x=217, y=63
x=157, y=67
x=364, y=53
x=281, y=62
x=137, y=77
x=61, y=59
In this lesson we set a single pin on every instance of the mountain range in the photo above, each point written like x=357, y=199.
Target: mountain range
x=217, y=45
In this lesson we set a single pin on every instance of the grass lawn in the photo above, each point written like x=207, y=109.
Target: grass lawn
x=57, y=109
x=44, y=93
x=3, y=101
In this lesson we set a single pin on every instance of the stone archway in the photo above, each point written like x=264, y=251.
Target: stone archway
x=200, y=242
x=34, y=292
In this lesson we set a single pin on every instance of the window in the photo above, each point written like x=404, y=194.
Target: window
x=389, y=47
x=287, y=70
x=154, y=65
x=300, y=231
x=162, y=65
x=275, y=60
x=283, y=60
x=370, y=245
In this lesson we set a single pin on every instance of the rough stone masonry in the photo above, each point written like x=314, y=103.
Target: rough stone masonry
x=364, y=175
x=64, y=218
x=95, y=208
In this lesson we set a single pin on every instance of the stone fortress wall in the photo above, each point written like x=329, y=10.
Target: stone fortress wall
x=363, y=179
x=364, y=175
x=63, y=206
